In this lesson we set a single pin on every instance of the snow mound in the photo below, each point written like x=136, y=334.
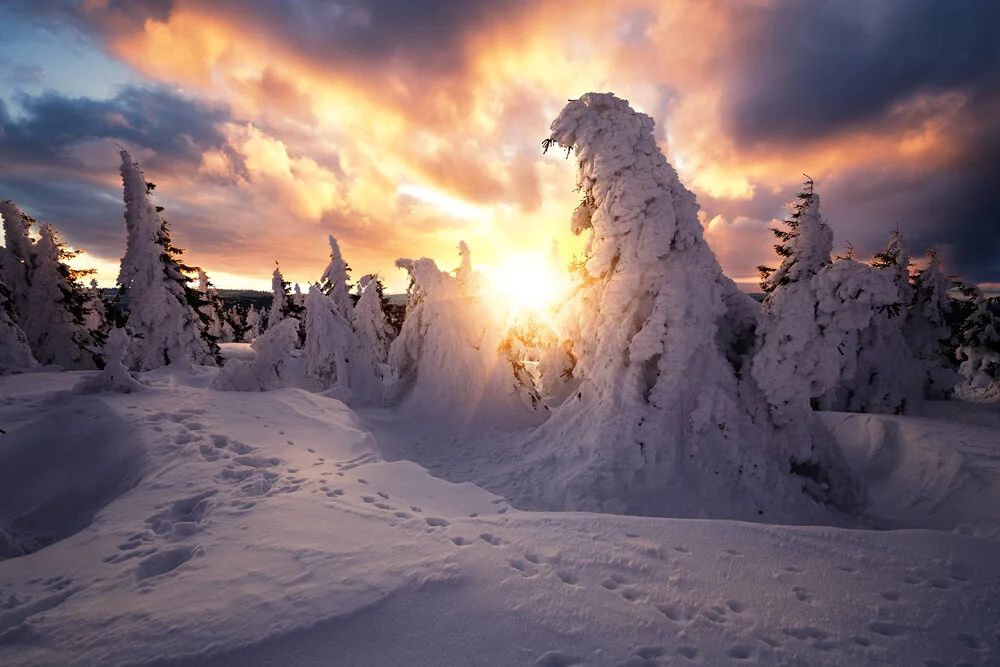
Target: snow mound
x=924, y=473
x=58, y=471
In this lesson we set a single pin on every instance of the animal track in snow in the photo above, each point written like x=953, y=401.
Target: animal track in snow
x=736, y=606
x=461, y=541
x=675, y=613
x=490, y=539
x=886, y=629
x=740, y=651
x=567, y=577
x=435, y=522
x=556, y=659
x=689, y=652
x=891, y=596
x=802, y=594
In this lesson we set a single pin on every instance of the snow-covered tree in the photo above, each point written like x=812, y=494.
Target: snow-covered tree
x=805, y=245
x=334, y=280
x=211, y=308
x=163, y=318
x=115, y=376
x=255, y=321
x=928, y=331
x=888, y=378
x=370, y=322
x=816, y=323
x=274, y=366
x=283, y=305
x=15, y=354
x=335, y=358
x=96, y=310
x=442, y=359
x=55, y=316
x=298, y=297
x=17, y=254
x=979, y=351
x=665, y=420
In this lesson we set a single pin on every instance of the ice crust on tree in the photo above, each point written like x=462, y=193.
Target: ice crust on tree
x=370, y=323
x=334, y=280
x=336, y=361
x=165, y=328
x=279, y=299
x=443, y=358
x=662, y=423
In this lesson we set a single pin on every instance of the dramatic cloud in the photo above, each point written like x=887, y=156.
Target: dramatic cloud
x=403, y=127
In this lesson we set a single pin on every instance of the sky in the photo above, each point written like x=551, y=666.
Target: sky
x=404, y=127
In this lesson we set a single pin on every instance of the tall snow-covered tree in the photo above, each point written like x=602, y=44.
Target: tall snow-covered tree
x=928, y=330
x=17, y=255
x=55, y=320
x=370, y=321
x=163, y=318
x=664, y=420
x=335, y=278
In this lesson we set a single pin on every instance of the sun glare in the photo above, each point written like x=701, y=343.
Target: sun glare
x=528, y=283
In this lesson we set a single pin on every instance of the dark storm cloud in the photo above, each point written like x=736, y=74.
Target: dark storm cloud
x=175, y=128
x=809, y=69
x=808, y=72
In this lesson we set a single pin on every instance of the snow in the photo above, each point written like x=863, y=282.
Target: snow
x=195, y=527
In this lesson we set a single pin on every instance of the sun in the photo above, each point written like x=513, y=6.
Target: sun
x=528, y=283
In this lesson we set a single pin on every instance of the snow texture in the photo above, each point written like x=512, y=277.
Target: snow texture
x=165, y=328
x=659, y=334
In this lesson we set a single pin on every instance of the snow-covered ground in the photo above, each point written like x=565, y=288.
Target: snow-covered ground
x=199, y=527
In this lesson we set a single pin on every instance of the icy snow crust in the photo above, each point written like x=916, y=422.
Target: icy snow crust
x=267, y=528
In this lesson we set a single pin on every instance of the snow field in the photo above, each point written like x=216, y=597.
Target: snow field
x=267, y=529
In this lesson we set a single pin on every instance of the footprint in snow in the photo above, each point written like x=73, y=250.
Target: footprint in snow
x=435, y=522
x=557, y=659
x=644, y=656
x=490, y=539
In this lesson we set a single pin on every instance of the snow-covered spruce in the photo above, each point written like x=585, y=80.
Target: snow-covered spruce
x=370, y=323
x=928, y=331
x=55, y=319
x=165, y=327
x=443, y=361
x=211, y=308
x=96, y=318
x=276, y=364
x=662, y=423
x=805, y=245
x=15, y=354
x=334, y=281
x=255, y=323
x=336, y=361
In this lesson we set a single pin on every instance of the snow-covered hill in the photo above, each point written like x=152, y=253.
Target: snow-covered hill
x=197, y=527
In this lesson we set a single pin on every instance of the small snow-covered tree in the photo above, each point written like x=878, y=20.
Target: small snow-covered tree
x=979, y=349
x=115, y=376
x=15, y=354
x=928, y=330
x=254, y=323
x=665, y=420
x=163, y=318
x=334, y=280
x=274, y=366
x=442, y=359
x=298, y=297
x=370, y=321
x=55, y=316
x=335, y=358
x=211, y=308
x=97, y=305
x=283, y=305
x=805, y=245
